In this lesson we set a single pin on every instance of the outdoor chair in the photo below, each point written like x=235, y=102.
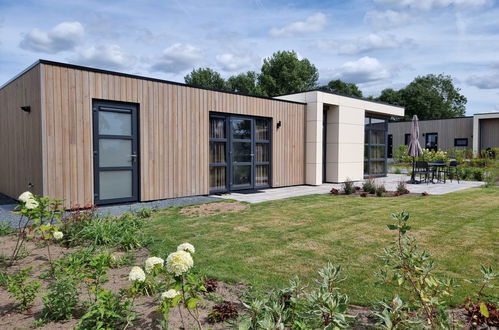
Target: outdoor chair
x=452, y=171
x=423, y=169
x=441, y=170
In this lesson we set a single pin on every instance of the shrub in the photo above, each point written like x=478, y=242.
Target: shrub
x=348, y=187
x=369, y=185
x=400, y=155
x=74, y=222
x=144, y=212
x=397, y=171
x=110, y=311
x=22, y=290
x=61, y=301
x=334, y=191
x=411, y=271
x=210, y=284
x=6, y=229
x=123, y=232
x=402, y=188
x=293, y=307
x=380, y=190
x=479, y=162
x=222, y=312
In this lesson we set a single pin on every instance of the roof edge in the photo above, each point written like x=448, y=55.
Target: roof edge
x=20, y=74
x=409, y=120
x=349, y=96
x=128, y=75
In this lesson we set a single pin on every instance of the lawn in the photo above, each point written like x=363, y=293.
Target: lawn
x=268, y=243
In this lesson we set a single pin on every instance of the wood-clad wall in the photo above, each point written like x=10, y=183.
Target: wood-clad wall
x=20, y=135
x=173, y=133
x=489, y=133
x=447, y=129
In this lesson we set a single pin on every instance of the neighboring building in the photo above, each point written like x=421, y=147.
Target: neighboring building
x=91, y=136
x=477, y=132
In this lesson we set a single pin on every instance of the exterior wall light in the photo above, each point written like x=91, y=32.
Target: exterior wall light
x=26, y=108
x=279, y=124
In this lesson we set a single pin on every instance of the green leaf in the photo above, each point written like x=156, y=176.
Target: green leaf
x=484, y=310
x=191, y=303
x=392, y=227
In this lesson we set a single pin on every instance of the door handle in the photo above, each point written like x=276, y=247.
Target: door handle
x=133, y=158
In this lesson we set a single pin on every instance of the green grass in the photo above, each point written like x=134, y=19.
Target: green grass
x=267, y=244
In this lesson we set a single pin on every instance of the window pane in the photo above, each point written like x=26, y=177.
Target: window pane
x=377, y=152
x=241, y=129
x=115, y=123
x=217, y=152
x=115, y=184
x=262, y=130
x=241, y=151
x=217, y=178
x=242, y=175
x=262, y=152
x=377, y=167
x=366, y=152
x=377, y=137
x=217, y=128
x=377, y=121
x=262, y=175
x=114, y=152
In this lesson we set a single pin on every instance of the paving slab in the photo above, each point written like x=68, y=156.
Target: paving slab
x=391, y=181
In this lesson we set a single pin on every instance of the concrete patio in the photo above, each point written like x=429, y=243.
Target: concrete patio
x=390, y=182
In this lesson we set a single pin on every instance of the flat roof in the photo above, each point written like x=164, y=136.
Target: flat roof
x=117, y=73
x=409, y=120
x=342, y=95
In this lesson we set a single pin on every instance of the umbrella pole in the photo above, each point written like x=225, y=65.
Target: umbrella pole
x=413, y=175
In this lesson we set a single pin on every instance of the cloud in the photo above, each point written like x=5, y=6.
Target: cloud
x=235, y=62
x=386, y=19
x=487, y=81
x=106, y=56
x=363, y=70
x=314, y=23
x=373, y=42
x=62, y=37
x=177, y=58
x=433, y=4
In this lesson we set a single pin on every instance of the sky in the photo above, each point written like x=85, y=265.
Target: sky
x=376, y=44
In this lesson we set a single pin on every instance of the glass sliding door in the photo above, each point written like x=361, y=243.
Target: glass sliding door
x=239, y=152
x=375, y=146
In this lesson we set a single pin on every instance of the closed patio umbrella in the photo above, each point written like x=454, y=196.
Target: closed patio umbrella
x=414, y=149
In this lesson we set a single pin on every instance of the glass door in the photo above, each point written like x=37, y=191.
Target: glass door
x=115, y=152
x=241, y=153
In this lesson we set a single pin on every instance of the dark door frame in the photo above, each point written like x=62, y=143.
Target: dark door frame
x=119, y=107
x=228, y=117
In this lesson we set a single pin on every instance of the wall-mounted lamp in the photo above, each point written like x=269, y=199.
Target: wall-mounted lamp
x=279, y=124
x=26, y=108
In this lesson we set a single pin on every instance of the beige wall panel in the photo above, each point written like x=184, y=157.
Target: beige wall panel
x=173, y=133
x=489, y=133
x=20, y=135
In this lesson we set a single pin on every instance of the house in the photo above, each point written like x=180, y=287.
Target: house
x=91, y=136
x=477, y=132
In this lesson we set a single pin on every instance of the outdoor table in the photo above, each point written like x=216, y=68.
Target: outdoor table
x=434, y=167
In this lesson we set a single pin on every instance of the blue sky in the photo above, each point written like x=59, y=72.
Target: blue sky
x=374, y=43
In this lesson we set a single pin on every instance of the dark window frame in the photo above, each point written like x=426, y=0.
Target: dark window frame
x=407, y=138
x=456, y=143
x=368, y=128
x=229, y=140
x=426, y=141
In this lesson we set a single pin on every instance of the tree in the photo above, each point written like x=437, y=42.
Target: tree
x=246, y=83
x=391, y=96
x=205, y=77
x=428, y=97
x=433, y=97
x=343, y=88
x=284, y=73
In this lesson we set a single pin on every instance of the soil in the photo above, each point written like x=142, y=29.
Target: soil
x=208, y=209
x=361, y=193
x=146, y=307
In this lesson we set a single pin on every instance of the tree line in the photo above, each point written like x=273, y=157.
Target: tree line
x=431, y=96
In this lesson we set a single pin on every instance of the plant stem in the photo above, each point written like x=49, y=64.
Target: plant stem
x=20, y=240
x=188, y=310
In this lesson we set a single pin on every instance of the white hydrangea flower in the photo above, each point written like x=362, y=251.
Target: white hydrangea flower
x=58, y=235
x=170, y=294
x=186, y=247
x=179, y=262
x=31, y=204
x=25, y=196
x=153, y=261
x=137, y=274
